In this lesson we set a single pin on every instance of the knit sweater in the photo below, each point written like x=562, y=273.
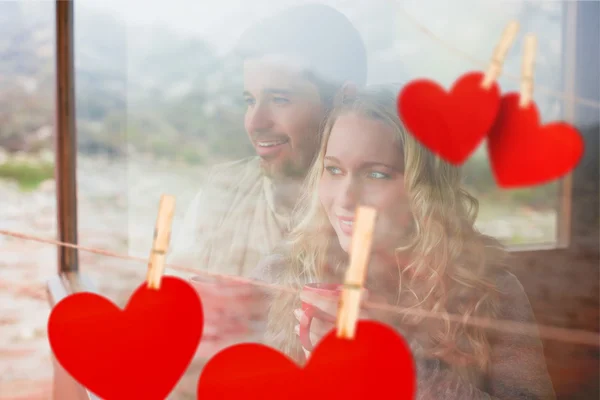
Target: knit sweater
x=517, y=369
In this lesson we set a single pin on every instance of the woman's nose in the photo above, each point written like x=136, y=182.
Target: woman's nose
x=349, y=195
x=258, y=118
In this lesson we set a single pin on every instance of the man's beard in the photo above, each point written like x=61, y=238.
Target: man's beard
x=287, y=170
x=286, y=179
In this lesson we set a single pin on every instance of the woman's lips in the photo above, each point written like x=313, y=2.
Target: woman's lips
x=346, y=225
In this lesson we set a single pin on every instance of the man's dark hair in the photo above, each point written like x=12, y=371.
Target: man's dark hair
x=321, y=36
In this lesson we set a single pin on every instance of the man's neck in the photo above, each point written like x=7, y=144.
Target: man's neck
x=286, y=192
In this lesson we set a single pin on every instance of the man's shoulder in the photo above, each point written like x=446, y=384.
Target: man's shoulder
x=233, y=172
x=237, y=165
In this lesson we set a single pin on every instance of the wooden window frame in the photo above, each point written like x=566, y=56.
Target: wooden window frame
x=69, y=280
x=66, y=137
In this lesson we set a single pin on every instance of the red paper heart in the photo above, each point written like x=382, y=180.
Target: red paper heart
x=137, y=353
x=523, y=153
x=450, y=124
x=377, y=364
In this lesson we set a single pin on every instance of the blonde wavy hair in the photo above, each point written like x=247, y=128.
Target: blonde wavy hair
x=444, y=264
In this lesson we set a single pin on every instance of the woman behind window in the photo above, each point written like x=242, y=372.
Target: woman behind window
x=426, y=255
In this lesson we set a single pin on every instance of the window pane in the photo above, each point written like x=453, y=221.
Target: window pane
x=521, y=216
x=189, y=109
x=160, y=103
x=101, y=85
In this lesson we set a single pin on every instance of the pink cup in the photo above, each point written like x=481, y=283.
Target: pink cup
x=331, y=290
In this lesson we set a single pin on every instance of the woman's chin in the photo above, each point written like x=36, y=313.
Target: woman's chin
x=344, y=241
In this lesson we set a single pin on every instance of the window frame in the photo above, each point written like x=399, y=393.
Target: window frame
x=69, y=279
x=565, y=190
x=65, y=137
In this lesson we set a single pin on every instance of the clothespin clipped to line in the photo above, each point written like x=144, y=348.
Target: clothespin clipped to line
x=495, y=68
x=160, y=244
x=352, y=290
x=527, y=71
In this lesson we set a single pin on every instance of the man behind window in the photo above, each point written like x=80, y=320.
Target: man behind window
x=296, y=63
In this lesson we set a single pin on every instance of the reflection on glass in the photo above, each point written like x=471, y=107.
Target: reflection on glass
x=164, y=93
x=185, y=111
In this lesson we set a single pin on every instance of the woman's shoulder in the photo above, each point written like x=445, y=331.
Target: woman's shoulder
x=497, y=269
x=514, y=302
x=509, y=283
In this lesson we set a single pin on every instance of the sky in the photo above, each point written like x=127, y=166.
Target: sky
x=206, y=17
x=468, y=31
x=471, y=25
x=197, y=17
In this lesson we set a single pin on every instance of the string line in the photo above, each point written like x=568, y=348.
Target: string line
x=463, y=54
x=573, y=336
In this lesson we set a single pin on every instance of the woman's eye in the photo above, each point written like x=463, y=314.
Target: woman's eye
x=379, y=175
x=333, y=170
x=249, y=101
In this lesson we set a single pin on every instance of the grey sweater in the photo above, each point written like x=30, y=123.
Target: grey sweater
x=517, y=369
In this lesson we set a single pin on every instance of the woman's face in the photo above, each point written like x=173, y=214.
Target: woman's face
x=363, y=165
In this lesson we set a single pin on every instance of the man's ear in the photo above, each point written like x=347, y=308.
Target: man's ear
x=347, y=91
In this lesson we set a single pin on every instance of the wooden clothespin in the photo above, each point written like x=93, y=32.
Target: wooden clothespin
x=495, y=68
x=527, y=71
x=352, y=290
x=160, y=245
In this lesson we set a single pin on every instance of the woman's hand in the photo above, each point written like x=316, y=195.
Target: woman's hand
x=320, y=326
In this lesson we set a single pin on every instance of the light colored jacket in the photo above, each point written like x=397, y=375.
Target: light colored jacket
x=232, y=223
